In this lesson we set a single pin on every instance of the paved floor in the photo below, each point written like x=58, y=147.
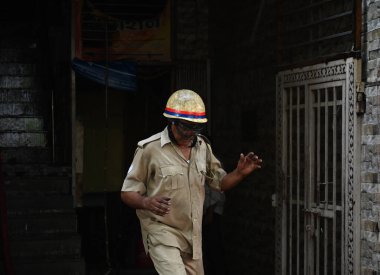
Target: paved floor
x=93, y=271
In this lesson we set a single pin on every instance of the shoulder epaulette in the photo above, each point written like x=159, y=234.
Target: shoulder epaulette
x=141, y=143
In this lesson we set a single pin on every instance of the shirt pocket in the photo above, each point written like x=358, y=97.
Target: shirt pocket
x=201, y=171
x=173, y=177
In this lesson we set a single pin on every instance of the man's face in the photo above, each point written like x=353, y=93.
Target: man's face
x=188, y=130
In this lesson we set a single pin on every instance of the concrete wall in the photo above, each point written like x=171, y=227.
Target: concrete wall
x=239, y=45
x=242, y=55
x=370, y=159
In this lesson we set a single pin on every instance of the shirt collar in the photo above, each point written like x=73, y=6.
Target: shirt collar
x=165, y=139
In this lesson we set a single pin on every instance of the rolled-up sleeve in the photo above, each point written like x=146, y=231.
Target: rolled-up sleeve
x=136, y=177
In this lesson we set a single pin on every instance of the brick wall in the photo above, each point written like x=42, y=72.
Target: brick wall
x=370, y=169
x=190, y=29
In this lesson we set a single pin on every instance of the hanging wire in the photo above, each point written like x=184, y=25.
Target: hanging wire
x=108, y=262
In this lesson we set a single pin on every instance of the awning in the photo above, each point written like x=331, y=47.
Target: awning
x=120, y=75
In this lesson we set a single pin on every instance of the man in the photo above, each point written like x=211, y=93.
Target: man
x=165, y=183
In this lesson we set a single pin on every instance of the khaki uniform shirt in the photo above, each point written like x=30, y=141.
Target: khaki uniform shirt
x=160, y=169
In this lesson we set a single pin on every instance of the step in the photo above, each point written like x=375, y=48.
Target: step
x=33, y=155
x=12, y=41
x=26, y=155
x=141, y=271
x=22, y=55
x=24, y=139
x=96, y=270
x=13, y=27
x=28, y=109
x=19, y=12
x=56, y=267
x=38, y=186
x=59, y=246
x=21, y=124
x=35, y=170
x=33, y=225
x=18, y=82
x=41, y=211
x=21, y=95
x=38, y=204
x=17, y=69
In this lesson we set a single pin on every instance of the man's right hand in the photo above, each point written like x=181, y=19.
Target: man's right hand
x=157, y=205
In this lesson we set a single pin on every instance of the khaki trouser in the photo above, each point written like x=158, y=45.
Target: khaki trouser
x=169, y=260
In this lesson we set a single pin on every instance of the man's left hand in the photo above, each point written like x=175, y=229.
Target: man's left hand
x=247, y=164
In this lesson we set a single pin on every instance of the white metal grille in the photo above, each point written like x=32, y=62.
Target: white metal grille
x=314, y=188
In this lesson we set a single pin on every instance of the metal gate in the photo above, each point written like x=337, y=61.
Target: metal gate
x=316, y=190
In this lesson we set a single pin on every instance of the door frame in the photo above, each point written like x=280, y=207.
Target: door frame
x=348, y=70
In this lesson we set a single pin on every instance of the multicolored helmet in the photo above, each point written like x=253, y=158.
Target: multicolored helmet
x=186, y=105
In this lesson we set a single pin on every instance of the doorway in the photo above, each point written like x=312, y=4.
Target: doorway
x=113, y=122
x=317, y=195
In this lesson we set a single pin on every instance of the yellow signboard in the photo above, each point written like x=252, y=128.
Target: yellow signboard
x=102, y=36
